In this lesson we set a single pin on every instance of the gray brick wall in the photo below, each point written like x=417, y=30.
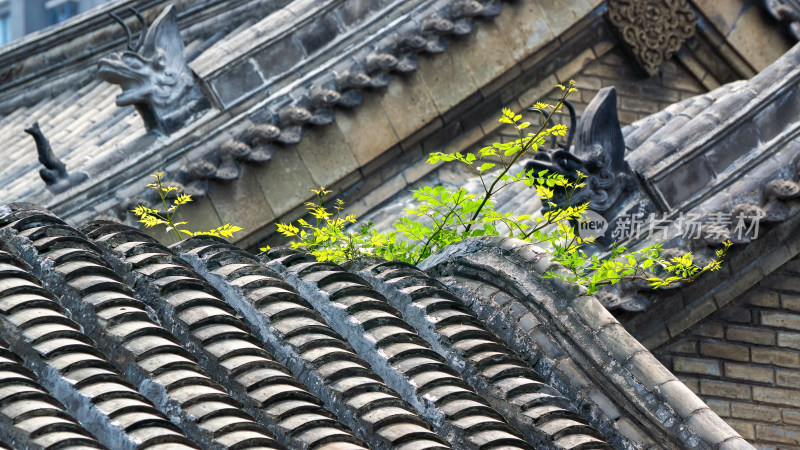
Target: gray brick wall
x=638, y=97
x=744, y=360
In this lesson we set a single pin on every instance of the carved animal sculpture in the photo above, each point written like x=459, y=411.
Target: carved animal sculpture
x=54, y=170
x=54, y=173
x=154, y=75
x=599, y=153
x=786, y=13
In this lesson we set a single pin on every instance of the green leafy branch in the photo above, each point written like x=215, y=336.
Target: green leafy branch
x=594, y=272
x=151, y=217
x=328, y=239
x=442, y=217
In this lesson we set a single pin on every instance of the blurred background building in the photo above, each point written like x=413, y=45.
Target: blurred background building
x=20, y=17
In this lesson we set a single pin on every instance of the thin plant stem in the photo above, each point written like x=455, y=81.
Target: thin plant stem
x=166, y=209
x=519, y=154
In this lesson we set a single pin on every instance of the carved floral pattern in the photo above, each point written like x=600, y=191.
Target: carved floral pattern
x=653, y=29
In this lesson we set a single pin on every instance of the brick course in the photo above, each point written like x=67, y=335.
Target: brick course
x=750, y=335
x=749, y=372
x=638, y=97
x=744, y=360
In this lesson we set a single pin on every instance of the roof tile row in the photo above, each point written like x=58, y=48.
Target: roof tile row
x=175, y=347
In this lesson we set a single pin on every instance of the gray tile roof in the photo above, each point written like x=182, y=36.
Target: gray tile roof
x=137, y=344
x=257, y=103
x=733, y=150
x=81, y=125
x=79, y=115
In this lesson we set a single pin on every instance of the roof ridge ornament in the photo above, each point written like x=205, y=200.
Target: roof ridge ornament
x=140, y=41
x=786, y=12
x=653, y=30
x=54, y=173
x=599, y=153
x=154, y=75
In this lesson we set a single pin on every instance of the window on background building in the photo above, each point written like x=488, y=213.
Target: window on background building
x=5, y=23
x=59, y=10
x=5, y=28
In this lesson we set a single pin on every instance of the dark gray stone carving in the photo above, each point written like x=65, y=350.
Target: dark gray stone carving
x=224, y=163
x=381, y=61
x=782, y=189
x=599, y=153
x=786, y=12
x=414, y=42
x=154, y=75
x=284, y=121
x=292, y=120
x=260, y=139
x=743, y=221
x=229, y=152
x=652, y=29
x=197, y=176
x=54, y=173
x=325, y=98
x=467, y=8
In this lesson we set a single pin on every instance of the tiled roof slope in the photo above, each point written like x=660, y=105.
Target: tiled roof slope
x=711, y=140
x=729, y=152
x=733, y=150
x=41, y=419
x=577, y=343
x=112, y=339
x=75, y=109
x=334, y=55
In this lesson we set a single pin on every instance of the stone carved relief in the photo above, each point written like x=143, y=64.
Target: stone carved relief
x=770, y=207
x=599, y=152
x=786, y=12
x=154, y=75
x=284, y=123
x=54, y=173
x=342, y=88
x=653, y=29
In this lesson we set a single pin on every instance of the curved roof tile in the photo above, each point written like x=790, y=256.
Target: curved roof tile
x=489, y=358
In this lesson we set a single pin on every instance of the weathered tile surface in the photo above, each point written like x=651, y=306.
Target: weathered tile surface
x=192, y=333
